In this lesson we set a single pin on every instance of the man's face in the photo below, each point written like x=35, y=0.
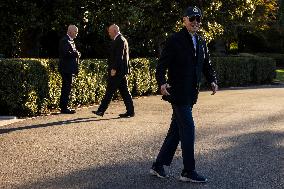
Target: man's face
x=192, y=24
x=111, y=32
x=73, y=33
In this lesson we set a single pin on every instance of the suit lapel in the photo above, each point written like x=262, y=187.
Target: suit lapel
x=188, y=43
x=197, y=45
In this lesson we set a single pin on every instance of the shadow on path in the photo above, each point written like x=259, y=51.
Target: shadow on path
x=57, y=123
x=272, y=86
x=254, y=161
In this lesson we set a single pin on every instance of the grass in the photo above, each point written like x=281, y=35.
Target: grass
x=280, y=75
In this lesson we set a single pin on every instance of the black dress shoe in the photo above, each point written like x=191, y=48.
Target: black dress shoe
x=127, y=115
x=98, y=113
x=68, y=111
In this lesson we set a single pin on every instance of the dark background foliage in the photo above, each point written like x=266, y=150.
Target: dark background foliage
x=32, y=28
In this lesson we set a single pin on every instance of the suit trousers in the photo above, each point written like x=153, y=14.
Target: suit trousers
x=114, y=83
x=65, y=89
x=181, y=129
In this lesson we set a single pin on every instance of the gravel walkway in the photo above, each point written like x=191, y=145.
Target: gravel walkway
x=239, y=144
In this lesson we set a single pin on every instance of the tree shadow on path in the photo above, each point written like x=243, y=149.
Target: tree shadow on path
x=254, y=161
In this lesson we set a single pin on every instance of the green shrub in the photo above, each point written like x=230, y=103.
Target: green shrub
x=244, y=71
x=142, y=78
x=31, y=87
x=279, y=58
x=90, y=84
x=279, y=75
x=23, y=86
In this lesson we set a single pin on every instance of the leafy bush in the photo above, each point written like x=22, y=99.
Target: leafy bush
x=142, y=77
x=31, y=87
x=279, y=58
x=279, y=75
x=244, y=71
x=23, y=86
x=90, y=84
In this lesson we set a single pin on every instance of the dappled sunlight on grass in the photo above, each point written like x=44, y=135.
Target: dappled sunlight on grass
x=280, y=75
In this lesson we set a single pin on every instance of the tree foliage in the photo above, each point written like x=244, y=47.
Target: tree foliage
x=32, y=28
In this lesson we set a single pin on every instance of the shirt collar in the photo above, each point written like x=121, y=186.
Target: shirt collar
x=116, y=35
x=69, y=37
x=192, y=34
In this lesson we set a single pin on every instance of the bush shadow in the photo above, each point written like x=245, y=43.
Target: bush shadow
x=56, y=123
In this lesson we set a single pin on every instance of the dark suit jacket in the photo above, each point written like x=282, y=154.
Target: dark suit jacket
x=68, y=56
x=184, y=67
x=119, y=56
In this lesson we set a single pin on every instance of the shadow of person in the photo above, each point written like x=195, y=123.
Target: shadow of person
x=57, y=123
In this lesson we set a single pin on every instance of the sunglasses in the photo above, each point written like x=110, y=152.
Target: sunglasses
x=192, y=18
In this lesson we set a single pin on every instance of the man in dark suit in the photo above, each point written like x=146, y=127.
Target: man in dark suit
x=118, y=68
x=68, y=66
x=185, y=57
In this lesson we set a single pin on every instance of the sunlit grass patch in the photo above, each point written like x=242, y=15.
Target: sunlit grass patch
x=280, y=75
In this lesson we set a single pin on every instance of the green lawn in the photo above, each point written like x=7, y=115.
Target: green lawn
x=280, y=75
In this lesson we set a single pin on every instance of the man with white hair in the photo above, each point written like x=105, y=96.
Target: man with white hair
x=68, y=66
x=118, y=68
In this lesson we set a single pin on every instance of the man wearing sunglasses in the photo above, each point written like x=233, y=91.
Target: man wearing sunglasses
x=184, y=59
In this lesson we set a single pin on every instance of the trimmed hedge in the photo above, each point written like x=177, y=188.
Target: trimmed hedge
x=31, y=87
x=244, y=71
x=279, y=58
x=23, y=86
x=142, y=79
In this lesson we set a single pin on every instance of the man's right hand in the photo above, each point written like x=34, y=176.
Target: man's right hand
x=164, y=89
